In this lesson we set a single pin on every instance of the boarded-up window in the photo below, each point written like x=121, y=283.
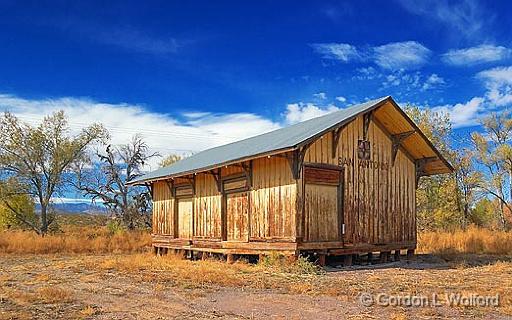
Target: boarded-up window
x=184, y=191
x=315, y=175
x=235, y=184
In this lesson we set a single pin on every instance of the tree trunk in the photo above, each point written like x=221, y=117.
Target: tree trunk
x=44, y=219
x=510, y=185
x=502, y=214
x=466, y=215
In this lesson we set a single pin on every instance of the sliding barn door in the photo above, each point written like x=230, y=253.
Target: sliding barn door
x=237, y=214
x=185, y=208
x=323, y=204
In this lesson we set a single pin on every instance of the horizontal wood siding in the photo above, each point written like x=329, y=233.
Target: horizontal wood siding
x=379, y=199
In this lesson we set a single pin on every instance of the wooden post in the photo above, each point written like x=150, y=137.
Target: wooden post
x=347, y=260
x=385, y=256
x=230, y=258
x=321, y=259
x=397, y=255
x=410, y=254
x=261, y=256
x=370, y=257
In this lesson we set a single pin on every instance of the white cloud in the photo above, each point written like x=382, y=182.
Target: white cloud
x=498, y=82
x=433, y=81
x=464, y=114
x=298, y=112
x=367, y=73
x=401, y=55
x=337, y=51
x=320, y=95
x=392, y=56
x=476, y=55
x=162, y=132
x=341, y=99
x=132, y=39
x=465, y=18
x=409, y=81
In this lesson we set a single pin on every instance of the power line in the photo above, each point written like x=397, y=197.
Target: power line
x=78, y=125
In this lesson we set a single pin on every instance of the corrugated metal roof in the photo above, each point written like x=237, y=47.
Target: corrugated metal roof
x=274, y=141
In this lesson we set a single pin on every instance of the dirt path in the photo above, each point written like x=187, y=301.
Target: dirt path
x=51, y=287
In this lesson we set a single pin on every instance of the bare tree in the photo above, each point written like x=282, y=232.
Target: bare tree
x=37, y=157
x=106, y=181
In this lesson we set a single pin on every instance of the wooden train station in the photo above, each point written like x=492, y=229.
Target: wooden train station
x=340, y=184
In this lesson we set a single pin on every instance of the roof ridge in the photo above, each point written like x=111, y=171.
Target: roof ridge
x=328, y=115
x=284, y=138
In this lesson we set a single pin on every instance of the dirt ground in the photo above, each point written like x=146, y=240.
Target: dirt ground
x=68, y=287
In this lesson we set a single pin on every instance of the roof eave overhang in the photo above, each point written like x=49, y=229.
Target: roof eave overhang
x=212, y=167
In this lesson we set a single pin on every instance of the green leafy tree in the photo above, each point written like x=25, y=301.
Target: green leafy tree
x=16, y=207
x=39, y=156
x=494, y=154
x=483, y=213
x=440, y=202
x=467, y=181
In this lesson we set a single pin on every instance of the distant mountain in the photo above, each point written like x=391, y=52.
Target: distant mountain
x=77, y=207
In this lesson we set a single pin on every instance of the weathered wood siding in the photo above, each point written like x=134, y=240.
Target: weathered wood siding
x=321, y=213
x=270, y=203
x=163, y=208
x=207, y=208
x=273, y=197
x=379, y=199
x=185, y=209
x=237, y=216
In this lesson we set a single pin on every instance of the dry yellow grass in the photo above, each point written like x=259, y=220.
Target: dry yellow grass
x=52, y=294
x=79, y=240
x=202, y=274
x=94, y=240
x=290, y=278
x=471, y=241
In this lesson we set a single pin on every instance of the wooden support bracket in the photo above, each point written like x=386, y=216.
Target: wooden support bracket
x=396, y=142
x=216, y=176
x=296, y=160
x=420, y=168
x=367, y=118
x=248, y=172
x=170, y=185
x=336, y=133
x=192, y=182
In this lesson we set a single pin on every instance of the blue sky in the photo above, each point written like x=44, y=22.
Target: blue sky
x=195, y=74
